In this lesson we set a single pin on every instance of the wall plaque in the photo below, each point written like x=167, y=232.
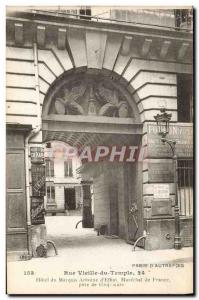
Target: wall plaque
x=160, y=172
x=37, y=211
x=37, y=155
x=183, y=135
x=161, y=207
x=161, y=191
x=38, y=180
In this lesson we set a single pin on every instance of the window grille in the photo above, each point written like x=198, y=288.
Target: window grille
x=185, y=187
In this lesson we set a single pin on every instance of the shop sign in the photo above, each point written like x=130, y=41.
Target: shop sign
x=182, y=134
x=37, y=155
x=38, y=180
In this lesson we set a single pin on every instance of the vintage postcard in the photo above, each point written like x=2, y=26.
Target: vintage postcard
x=99, y=138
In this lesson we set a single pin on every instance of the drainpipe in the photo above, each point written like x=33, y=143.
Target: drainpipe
x=36, y=69
x=34, y=131
x=28, y=203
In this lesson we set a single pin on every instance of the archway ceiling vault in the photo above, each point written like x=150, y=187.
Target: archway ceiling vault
x=80, y=140
x=81, y=131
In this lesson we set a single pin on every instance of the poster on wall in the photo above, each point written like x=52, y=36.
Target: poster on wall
x=100, y=173
x=38, y=180
x=37, y=211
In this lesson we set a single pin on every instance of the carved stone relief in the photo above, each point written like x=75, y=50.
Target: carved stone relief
x=91, y=97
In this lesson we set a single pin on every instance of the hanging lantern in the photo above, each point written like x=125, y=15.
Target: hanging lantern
x=163, y=120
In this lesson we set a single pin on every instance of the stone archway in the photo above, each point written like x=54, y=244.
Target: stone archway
x=92, y=108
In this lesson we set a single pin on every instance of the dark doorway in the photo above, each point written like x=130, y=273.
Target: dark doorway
x=69, y=194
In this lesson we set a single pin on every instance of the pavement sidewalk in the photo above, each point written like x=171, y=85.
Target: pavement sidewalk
x=83, y=245
x=85, y=259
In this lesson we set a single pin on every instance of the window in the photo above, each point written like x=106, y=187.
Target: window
x=50, y=193
x=71, y=11
x=121, y=14
x=68, y=168
x=49, y=168
x=183, y=18
x=185, y=187
x=85, y=11
x=184, y=98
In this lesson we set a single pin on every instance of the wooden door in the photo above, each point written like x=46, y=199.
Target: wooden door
x=15, y=193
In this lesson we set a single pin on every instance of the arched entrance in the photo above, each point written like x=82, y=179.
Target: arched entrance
x=94, y=113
